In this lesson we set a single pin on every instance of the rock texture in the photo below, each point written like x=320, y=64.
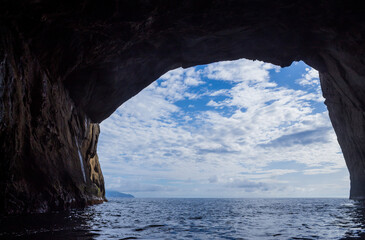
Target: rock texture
x=47, y=145
x=67, y=61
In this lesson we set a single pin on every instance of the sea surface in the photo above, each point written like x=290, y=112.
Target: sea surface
x=196, y=219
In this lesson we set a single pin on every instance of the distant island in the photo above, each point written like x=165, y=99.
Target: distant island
x=117, y=194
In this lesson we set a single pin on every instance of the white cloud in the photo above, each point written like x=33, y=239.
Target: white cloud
x=239, y=70
x=212, y=103
x=311, y=77
x=153, y=142
x=222, y=92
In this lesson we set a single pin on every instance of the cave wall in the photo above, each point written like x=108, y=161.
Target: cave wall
x=66, y=63
x=47, y=145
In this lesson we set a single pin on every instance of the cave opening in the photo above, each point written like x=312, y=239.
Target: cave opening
x=237, y=128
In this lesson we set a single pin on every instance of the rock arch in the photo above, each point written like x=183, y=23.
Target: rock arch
x=66, y=66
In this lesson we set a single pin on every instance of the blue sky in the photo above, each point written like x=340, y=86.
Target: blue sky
x=228, y=129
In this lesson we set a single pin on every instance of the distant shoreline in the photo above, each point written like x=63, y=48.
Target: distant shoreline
x=116, y=194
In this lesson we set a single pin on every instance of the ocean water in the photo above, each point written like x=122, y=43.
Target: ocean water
x=196, y=219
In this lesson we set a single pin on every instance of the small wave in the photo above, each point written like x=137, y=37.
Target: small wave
x=149, y=226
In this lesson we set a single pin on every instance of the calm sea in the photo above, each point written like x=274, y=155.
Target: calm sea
x=197, y=219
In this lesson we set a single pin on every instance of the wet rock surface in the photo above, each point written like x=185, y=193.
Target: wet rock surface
x=64, y=63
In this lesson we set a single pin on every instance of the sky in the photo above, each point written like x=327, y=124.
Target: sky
x=232, y=129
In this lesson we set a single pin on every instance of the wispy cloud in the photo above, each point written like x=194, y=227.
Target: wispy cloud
x=249, y=186
x=319, y=136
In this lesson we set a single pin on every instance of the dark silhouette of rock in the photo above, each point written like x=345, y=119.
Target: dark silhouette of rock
x=65, y=64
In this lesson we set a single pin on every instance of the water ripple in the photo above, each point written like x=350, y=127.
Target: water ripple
x=196, y=219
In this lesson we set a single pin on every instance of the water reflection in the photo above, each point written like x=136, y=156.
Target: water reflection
x=353, y=214
x=59, y=225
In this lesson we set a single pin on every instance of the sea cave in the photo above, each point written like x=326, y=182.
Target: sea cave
x=68, y=65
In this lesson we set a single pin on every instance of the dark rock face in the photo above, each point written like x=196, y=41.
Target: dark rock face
x=67, y=62
x=47, y=146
